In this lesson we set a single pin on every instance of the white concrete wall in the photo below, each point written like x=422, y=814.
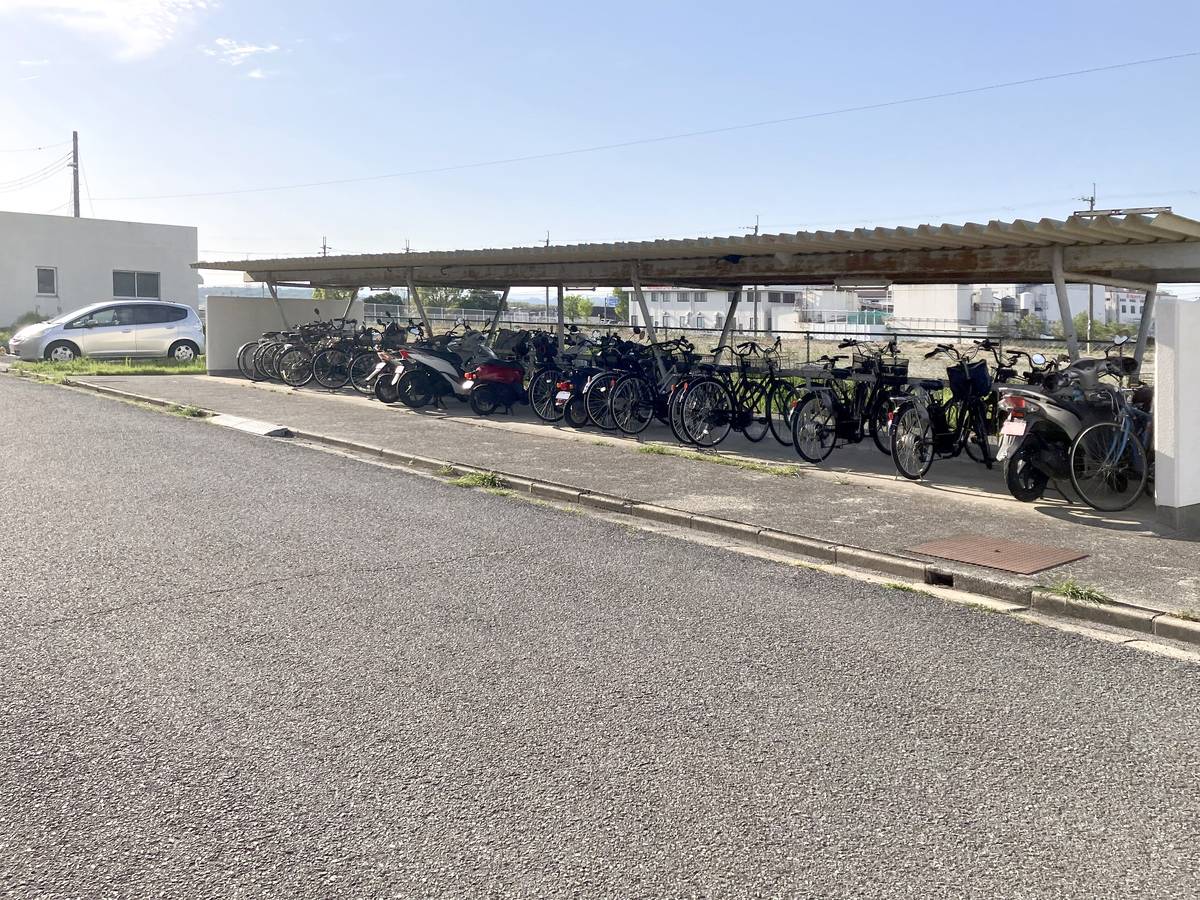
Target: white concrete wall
x=1177, y=413
x=232, y=321
x=86, y=252
x=950, y=302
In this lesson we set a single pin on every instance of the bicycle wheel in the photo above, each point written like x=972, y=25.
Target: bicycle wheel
x=675, y=412
x=814, y=428
x=912, y=440
x=632, y=404
x=331, y=368
x=543, y=385
x=757, y=402
x=881, y=422
x=245, y=360
x=295, y=366
x=263, y=357
x=784, y=397
x=597, y=395
x=707, y=413
x=1108, y=467
x=361, y=368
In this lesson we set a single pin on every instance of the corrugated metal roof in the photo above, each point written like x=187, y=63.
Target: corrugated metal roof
x=1075, y=231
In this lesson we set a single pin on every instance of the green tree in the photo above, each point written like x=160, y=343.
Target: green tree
x=1031, y=327
x=342, y=294
x=478, y=299
x=577, y=306
x=442, y=297
x=622, y=305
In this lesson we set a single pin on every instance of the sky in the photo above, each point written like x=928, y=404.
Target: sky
x=194, y=112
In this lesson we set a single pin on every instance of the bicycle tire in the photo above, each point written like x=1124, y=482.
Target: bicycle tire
x=295, y=366
x=543, y=385
x=707, y=413
x=784, y=398
x=880, y=422
x=675, y=412
x=597, y=396
x=245, y=360
x=331, y=368
x=1109, y=467
x=361, y=368
x=912, y=440
x=632, y=404
x=814, y=429
x=757, y=402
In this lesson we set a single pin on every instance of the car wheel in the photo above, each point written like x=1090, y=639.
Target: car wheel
x=183, y=352
x=62, y=351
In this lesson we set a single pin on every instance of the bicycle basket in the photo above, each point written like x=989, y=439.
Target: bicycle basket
x=894, y=368
x=972, y=380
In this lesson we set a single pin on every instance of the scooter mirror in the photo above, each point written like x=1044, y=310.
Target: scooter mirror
x=637, y=329
x=1120, y=339
x=460, y=321
x=317, y=310
x=595, y=334
x=1038, y=359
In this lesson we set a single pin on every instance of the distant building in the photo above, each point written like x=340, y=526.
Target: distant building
x=54, y=264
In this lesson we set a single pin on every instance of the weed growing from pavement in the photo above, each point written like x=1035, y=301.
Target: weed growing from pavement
x=188, y=412
x=900, y=586
x=1073, y=590
x=602, y=443
x=498, y=492
x=732, y=461
x=445, y=471
x=1192, y=615
x=479, y=480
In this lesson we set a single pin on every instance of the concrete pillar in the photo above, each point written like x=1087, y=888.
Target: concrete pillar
x=1177, y=413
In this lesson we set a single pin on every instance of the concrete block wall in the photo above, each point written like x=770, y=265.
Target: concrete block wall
x=1177, y=413
x=232, y=321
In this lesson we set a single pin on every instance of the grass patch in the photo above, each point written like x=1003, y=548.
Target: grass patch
x=602, y=443
x=1192, y=615
x=444, y=471
x=498, y=492
x=88, y=366
x=746, y=465
x=188, y=412
x=479, y=480
x=901, y=586
x=1073, y=590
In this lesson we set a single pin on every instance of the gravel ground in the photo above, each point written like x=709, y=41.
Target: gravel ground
x=238, y=668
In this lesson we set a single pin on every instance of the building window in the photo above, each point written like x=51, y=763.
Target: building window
x=47, y=280
x=789, y=297
x=1122, y=307
x=136, y=286
x=774, y=297
x=633, y=319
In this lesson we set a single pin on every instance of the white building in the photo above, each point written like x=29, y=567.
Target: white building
x=775, y=307
x=54, y=264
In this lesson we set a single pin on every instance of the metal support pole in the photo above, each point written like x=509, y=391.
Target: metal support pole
x=730, y=318
x=275, y=296
x=651, y=332
x=1144, y=326
x=491, y=329
x=562, y=320
x=416, y=299
x=350, y=303
x=1064, y=303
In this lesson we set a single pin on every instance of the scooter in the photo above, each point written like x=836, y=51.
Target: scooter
x=498, y=382
x=436, y=368
x=1043, y=420
x=385, y=377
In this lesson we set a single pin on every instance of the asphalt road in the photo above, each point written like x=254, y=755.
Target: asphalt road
x=232, y=667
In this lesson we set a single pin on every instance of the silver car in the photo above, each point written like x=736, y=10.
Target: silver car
x=115, y=329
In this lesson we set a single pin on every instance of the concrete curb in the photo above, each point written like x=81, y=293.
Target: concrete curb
x=1021, y=593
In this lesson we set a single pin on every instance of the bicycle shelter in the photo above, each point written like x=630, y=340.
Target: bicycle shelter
x=1133, y=249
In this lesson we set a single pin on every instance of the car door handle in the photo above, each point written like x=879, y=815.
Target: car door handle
x=126, y=331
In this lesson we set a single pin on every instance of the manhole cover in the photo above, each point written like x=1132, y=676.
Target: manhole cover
x=997, y=553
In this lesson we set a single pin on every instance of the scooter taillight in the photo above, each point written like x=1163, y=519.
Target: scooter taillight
x=468, y=376
x=404, y=354
x=564, y=386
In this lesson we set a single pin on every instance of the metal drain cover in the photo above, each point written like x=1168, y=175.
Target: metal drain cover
x=997, y=553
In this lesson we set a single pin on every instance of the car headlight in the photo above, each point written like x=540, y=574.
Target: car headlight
x=30, y=331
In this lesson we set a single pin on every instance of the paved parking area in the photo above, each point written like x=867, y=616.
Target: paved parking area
x=235, y=667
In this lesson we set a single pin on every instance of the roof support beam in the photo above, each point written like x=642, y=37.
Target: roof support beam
x=415, y=297
x=730, y=319
x=500, y=307
x=562, y=321
x=636, y=280
x=275, y=296
x=1064, y=303
x=350, y=302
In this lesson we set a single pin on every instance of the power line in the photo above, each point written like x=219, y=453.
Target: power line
x=33, y=178
x=34, y=149
x=942, y=95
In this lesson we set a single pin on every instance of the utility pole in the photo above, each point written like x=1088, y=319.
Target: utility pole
x=547, y=286
x=324, y=246
x=753, y=227
x=75, y=174
x=1091, y=201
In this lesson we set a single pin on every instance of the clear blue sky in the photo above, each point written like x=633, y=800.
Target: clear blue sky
x=181, y=96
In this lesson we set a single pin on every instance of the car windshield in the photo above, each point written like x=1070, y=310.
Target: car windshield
x=73, y=314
